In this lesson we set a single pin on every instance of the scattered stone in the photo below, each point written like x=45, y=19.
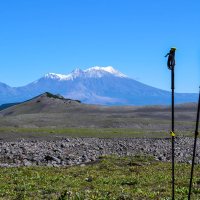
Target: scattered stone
x=80, y=151
x=89, y=179
x=27, y=163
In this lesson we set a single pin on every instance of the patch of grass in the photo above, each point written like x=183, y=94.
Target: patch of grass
x=53, y=96
x=92, y=132
x=112, y=178
x=50, y=95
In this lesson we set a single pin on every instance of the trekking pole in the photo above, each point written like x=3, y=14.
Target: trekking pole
x=194, y=148
x=171, y=65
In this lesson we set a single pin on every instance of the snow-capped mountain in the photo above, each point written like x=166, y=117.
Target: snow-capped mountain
x=96, y=85
x=93, y=72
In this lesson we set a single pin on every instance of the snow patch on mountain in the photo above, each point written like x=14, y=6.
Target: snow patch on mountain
x=57, y=76
x=101, y=71
x=93, y=72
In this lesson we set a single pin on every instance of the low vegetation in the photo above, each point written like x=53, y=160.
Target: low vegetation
x=112, y=177
x=50, y=95
x=90, y=132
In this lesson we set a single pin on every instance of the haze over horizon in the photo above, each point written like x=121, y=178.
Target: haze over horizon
x=38, y=37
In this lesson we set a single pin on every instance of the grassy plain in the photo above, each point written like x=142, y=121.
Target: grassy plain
x=127, y=178
x=11, y=133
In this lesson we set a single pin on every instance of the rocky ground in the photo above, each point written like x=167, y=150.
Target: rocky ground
x=79, y=151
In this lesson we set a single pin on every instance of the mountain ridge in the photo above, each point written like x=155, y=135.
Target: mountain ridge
x=93, y=72
x=96, y=85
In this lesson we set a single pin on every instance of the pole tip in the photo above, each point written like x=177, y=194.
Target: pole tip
x=173, y=48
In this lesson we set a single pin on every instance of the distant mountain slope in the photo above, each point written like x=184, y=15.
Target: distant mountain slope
x=96, y=85
x=44, y=103
x=7, y=105
x=53, y=111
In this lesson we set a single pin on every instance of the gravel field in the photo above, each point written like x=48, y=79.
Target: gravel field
x=77, y=151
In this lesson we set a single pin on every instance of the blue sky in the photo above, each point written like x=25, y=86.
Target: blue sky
x=41, y=36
